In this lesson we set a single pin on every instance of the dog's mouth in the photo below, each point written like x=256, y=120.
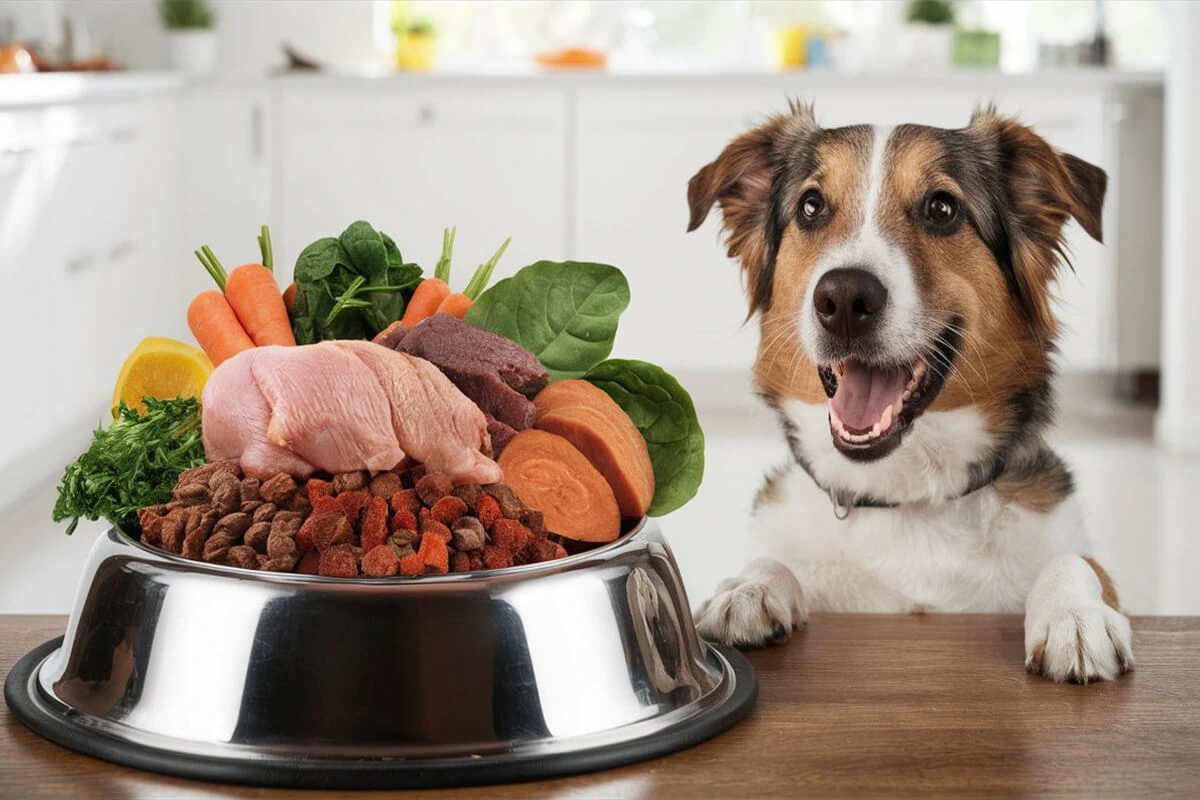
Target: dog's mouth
x=872, y=406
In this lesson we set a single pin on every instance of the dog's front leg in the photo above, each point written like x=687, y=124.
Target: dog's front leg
x=1074, y=630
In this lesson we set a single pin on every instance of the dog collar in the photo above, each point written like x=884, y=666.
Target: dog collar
x=845, y=502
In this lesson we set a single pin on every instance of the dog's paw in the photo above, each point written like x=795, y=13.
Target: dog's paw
x=761, y=606
x=1079, y=644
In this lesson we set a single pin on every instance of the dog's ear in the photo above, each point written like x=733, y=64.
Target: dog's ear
x=740, y=180
x=1038, y=189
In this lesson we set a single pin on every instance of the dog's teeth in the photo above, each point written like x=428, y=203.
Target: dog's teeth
x=885, y=421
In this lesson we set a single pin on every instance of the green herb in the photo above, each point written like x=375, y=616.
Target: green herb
x=663, y=412
x=134, y=463
x=185, y=14
x=351, y=287
x=565, y=313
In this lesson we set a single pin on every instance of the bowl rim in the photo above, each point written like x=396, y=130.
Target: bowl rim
x=293, y=578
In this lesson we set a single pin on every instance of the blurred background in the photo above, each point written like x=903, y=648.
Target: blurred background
x=133, y=131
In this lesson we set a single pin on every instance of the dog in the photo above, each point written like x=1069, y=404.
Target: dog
x=902, y=278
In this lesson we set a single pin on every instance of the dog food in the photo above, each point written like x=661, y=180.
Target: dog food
x=346, y=527
x=592, y=421
x=498, y=374
x=548, y=473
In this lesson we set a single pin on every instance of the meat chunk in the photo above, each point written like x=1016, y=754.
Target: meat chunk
x=495, y=372
x=340, y=407
x=433, y=421
x=320, y=410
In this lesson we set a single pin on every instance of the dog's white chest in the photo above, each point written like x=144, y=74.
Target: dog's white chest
x=975, y=554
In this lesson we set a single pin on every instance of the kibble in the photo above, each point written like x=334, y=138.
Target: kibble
x=408, y=523
x=278, y=489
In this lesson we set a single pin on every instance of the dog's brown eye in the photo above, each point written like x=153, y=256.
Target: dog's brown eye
x=941, y=209
x=811, y=205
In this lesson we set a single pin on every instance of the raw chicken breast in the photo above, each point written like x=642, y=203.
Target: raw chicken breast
x=429, y=414
x=341, y=406
x=239, y=429
x=324, y=410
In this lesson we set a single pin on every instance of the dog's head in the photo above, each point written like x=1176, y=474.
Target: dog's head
x=901, y=271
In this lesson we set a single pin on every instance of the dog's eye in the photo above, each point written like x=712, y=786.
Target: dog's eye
x=812, y=205
x=941, y=210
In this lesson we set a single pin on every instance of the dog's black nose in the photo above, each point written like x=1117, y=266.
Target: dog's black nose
x=848, y=301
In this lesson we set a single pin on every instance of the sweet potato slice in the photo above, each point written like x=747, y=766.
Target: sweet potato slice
x=592, y=421
x=549, y=474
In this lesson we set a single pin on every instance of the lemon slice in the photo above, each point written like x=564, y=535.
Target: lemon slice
x=161, y=368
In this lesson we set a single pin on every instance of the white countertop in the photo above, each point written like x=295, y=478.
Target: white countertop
x=809, y=79
x=54, y=88
x=83, y=87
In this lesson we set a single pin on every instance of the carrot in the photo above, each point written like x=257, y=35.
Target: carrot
x=254, y=296
x=425, y=300
x=289, y=297
x=216, y=327
x=458, y=303
x=455, y=304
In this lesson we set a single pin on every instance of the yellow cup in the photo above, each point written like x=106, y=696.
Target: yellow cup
x=791, y=42
x=415, y=52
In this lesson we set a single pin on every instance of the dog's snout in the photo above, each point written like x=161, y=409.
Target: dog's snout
x=848, y=301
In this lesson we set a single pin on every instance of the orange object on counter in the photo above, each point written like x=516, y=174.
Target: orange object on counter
x=573, y=58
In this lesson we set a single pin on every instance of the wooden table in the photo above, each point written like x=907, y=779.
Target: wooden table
x=854, y=705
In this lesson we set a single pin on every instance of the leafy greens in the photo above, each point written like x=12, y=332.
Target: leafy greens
x=662, y=411
x=351, y=287
x=133, y=463
x=565, y=313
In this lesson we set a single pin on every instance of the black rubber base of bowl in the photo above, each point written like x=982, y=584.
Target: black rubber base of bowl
x=27, y=705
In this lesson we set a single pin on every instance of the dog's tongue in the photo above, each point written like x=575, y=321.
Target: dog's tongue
x=863, y=393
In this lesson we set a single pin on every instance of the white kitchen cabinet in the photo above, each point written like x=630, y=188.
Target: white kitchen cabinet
x=411, y=163
x=87, y=219
x=226, y=135
x=635, y=153
x=637, y=150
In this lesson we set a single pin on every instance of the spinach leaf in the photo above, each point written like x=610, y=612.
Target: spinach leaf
x=663, y=413
x=565, y=313
x=365, y=247
x=352, y=286
x=319, y=259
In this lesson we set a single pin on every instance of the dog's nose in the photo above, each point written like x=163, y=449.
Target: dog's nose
x=848, y=301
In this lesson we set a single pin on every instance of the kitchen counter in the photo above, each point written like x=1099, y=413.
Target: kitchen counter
x=51, y=88
x=854, y=705
x=57, y=88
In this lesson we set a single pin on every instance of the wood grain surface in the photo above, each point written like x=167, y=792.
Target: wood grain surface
x=854, y=705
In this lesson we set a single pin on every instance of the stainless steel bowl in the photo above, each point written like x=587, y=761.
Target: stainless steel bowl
x=213, y=672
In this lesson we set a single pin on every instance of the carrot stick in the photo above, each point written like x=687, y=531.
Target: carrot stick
x=289, y=297
x=425, y=300
x=216, y=327
x=254, y=296
x=455, y=304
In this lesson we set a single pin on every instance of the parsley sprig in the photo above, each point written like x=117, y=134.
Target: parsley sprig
x=133, y=463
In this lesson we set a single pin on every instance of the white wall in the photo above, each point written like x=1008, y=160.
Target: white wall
x=1178, y=425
